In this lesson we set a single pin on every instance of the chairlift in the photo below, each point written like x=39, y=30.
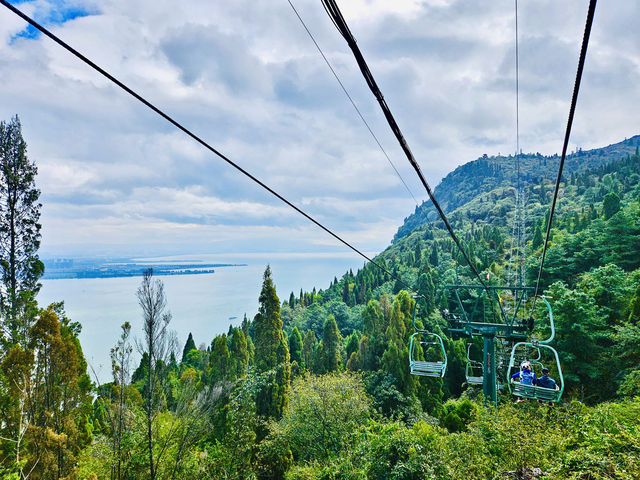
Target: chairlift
x=536, y=392
x=473, y=366
x=435, y=367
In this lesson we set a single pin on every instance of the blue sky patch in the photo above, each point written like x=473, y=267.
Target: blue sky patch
x=57, y=13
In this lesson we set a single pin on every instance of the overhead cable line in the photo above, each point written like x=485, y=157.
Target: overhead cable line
x=193, y=136
x=515, y=232
x=572, y=109
x=338, y=20
x=351, y=100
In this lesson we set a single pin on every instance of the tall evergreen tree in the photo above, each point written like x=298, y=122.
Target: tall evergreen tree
x=19, y=230
x=433, y=257
x=309, y=347
x=292, y=300
x=190, y=345
x=610, y=205
x=219, y=361
x=329, y=357
x=271, y=351
x=295, y=347
x=238, y=354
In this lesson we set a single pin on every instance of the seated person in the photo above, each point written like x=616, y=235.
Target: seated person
x=545, y=381
x=525, y=375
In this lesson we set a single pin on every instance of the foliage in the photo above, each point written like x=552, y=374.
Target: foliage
x=323, y=414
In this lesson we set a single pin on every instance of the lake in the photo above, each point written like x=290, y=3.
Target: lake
x=203, y=304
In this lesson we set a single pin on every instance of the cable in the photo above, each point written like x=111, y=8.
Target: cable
x=351, y=100
x=572, y=109
x=338, y=20
x=192, y=135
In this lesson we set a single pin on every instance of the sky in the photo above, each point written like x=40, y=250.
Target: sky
x=117, y=180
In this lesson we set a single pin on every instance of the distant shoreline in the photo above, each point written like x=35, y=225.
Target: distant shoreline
x=124, y=270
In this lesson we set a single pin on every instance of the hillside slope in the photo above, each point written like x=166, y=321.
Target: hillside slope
x=487, y=173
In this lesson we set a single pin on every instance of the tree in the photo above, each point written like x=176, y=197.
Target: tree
x=537, y=238
x=433, y=257
x=271, y=351
x=328, y=356
x=295, y=348
x=190, y=345
x=121, y=371
x=153, y=302
x=219, y=360
x=58, y=394
x=324, y=411
x=610, y=205
x=19, y=229
x=238, y=355
x=309, y=347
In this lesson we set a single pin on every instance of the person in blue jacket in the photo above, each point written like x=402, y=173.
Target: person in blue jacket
x=545, y=381
x=525, y=375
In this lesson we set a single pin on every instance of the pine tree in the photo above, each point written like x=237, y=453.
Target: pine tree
x=190, y=345
x=271, y=351
x=19, y=230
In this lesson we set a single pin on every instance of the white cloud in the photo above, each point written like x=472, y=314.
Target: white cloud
x=245, y=77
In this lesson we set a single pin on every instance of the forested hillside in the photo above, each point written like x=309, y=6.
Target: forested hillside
x=317, y=384
x=487, y=173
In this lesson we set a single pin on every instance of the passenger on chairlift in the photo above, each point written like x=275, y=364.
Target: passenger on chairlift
x=545, y=381
x=525, y=375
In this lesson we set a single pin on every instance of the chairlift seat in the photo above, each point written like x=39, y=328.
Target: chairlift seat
x=534, y=392
x=427, y=369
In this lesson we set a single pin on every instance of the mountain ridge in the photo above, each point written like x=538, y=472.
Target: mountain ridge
x=488, y=172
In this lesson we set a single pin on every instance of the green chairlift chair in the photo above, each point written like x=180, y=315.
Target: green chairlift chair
x=473, y=367
x=435, y=367
x=534, y=392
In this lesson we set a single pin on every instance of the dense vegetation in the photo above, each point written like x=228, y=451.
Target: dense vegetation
x=317, y=386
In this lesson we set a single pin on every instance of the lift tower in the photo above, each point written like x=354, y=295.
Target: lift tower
x=480, y=312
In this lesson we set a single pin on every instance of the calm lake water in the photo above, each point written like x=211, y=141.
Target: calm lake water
x=203, y=304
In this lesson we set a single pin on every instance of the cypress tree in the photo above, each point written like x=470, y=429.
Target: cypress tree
x=295, y=347
x=238, y=354
x=345, y=290
x=271, y=351
x=433, y=258
x=417, y=255
x=329, y=358
x=352, y=344
x=190, y=345
x=219, y=361
x=292, y=300
x=309, y=347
